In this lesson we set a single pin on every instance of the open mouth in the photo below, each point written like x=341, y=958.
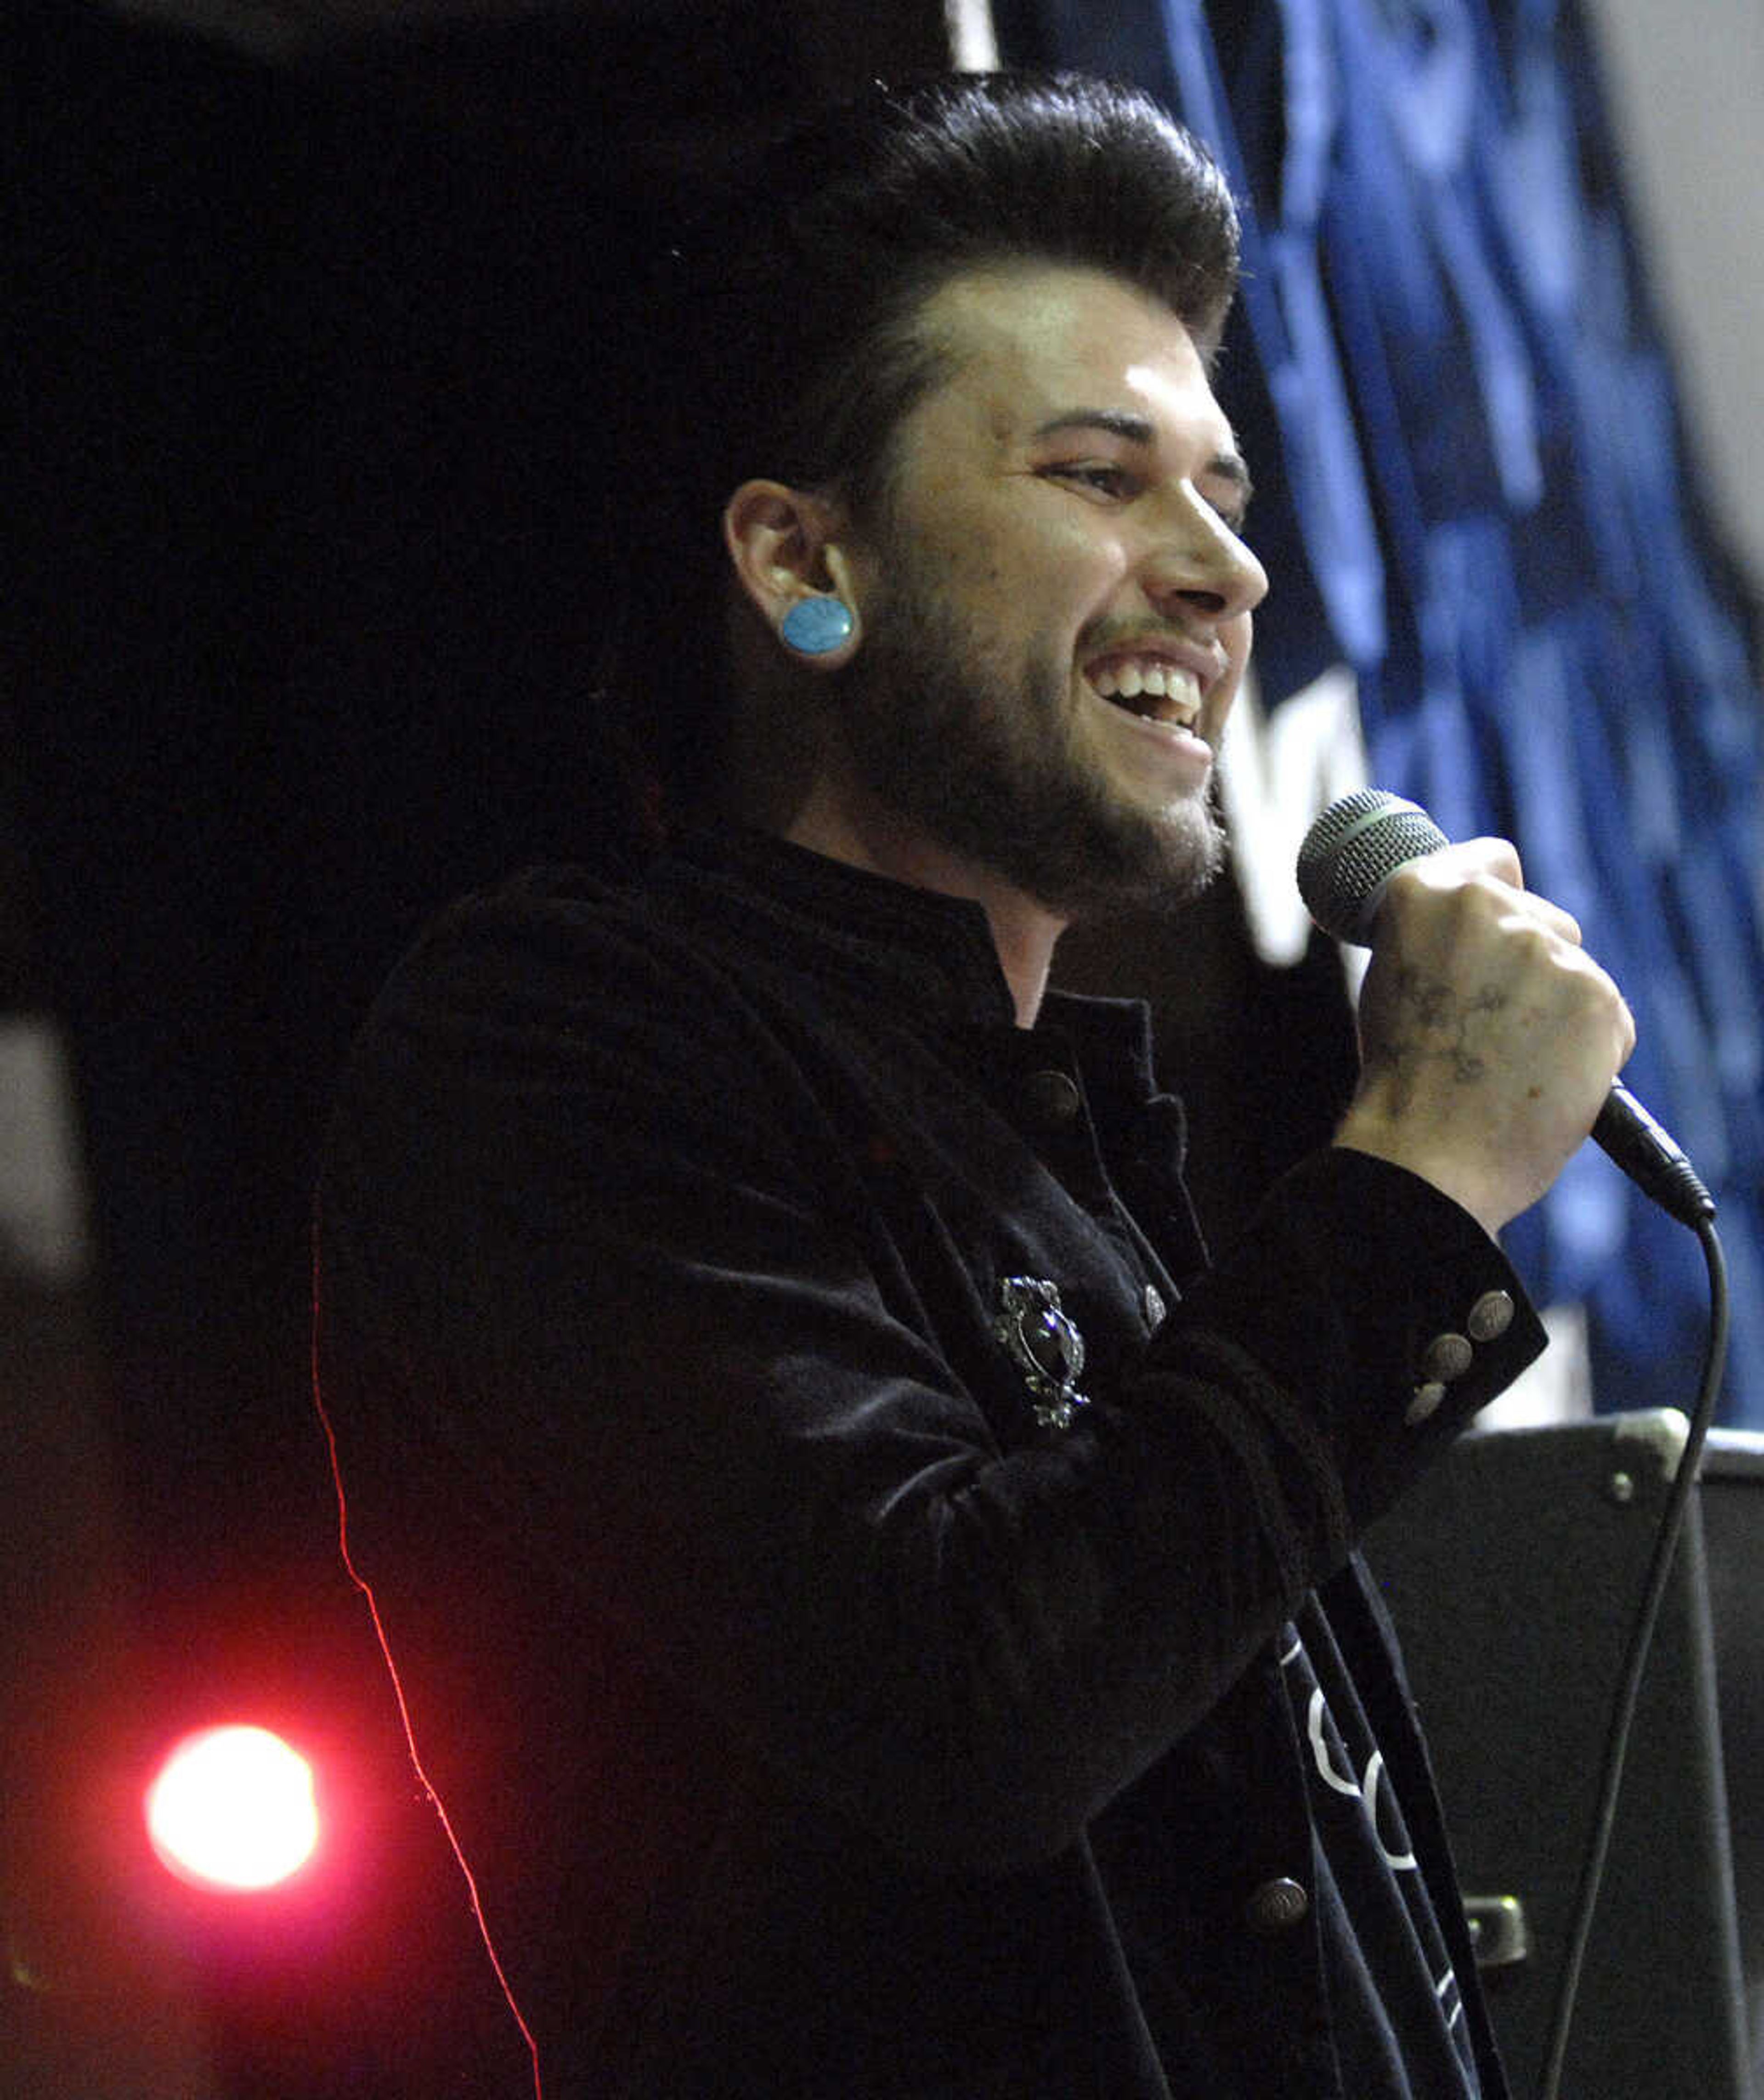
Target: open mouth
x=1155, y=689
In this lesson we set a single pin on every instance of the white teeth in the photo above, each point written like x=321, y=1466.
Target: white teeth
x=1127, y=680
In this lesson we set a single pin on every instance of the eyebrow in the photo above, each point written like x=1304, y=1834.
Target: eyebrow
x=1141, y=431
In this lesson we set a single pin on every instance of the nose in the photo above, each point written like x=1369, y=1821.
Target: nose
x=1199, y=565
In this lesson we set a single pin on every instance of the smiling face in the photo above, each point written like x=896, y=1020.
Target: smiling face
x=1057, y=602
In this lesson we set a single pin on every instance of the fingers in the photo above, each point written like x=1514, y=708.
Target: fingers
x=1462, y=919
x=1551, y=917
x=1608, y=1000
x=1490, y=866
x=1489, y=1037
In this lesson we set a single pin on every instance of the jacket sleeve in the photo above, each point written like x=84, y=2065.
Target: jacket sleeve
x=577, y=1275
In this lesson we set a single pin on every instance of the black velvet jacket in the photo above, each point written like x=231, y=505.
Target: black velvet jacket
x=894, y=1688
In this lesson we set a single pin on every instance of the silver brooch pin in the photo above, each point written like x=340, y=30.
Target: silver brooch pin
x=1044, y=1345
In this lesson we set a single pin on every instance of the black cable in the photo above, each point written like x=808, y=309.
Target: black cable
x=1629, y=1690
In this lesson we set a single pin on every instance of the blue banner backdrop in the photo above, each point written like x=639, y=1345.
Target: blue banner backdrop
x=1485, y=507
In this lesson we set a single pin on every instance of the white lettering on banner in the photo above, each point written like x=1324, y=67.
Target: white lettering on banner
x=1282, y=769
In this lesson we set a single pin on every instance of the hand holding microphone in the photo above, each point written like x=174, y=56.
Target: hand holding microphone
x=1488, y=1037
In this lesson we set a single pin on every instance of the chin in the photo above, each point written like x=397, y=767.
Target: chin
x=1137, y=860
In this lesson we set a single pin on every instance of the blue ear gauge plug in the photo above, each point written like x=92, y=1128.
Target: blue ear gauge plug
x=817, y=626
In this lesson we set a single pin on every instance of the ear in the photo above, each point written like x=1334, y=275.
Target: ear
x=784, y=544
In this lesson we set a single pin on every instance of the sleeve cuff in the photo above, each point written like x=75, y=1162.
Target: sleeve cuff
x=1382, y=1305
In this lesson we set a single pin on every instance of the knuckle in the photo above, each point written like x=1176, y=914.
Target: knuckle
x=1499, y=857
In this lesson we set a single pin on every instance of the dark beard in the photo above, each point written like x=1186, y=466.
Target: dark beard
x=943, y=733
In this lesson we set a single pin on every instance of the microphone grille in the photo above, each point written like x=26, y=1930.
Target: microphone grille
x=1351, y=851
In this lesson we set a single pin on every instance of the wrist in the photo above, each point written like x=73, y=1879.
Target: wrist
x=1464, y=1179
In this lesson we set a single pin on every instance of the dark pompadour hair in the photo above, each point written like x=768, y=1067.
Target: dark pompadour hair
x=791, y=346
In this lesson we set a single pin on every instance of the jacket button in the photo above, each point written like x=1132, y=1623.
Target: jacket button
x=1278, y=1906
x=1424, y=1403
x=1490, y=1317
x=1053, y=1096
x=1448, y=1357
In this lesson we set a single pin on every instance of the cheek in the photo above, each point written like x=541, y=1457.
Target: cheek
x=1062, y=550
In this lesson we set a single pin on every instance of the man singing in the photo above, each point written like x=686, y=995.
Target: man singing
x=879, y=1604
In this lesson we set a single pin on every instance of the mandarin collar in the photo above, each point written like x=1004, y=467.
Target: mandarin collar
x=845, y=922
x=849, y=922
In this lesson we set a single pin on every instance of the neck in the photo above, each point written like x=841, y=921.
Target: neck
x=1023, y=933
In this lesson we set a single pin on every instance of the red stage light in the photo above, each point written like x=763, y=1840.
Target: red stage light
x=232, y=1808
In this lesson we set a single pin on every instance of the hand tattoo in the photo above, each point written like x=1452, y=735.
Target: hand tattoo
x=1429, y=1022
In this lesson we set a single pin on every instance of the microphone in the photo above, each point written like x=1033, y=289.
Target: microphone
x=1345, y=866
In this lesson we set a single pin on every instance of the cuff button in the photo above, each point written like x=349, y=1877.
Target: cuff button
x=1490, y=1317
x=1424, y=1403
x=1448, y=1357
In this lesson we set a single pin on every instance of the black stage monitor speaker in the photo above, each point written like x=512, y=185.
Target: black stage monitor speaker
x=1732, y=1499
x=1514, y=1573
